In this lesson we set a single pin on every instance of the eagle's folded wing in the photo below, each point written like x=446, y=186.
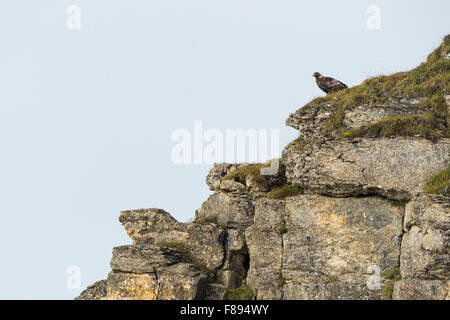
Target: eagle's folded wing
x=333, y=83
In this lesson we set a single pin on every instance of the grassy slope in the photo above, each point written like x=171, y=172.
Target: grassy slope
x=439, y=183
x=430, y=80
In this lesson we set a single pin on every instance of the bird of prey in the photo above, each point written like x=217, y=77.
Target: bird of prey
x=328, y=84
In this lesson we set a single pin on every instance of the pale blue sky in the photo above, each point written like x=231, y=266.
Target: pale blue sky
x=86, y=116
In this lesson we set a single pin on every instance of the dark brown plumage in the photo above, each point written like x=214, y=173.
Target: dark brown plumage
x=328, y=84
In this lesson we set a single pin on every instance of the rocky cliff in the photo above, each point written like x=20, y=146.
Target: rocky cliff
x=358, y=209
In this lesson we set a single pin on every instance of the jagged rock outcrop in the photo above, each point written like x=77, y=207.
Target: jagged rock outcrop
x=395, y=168
x=204, y=242
x=312, y=120
x=347, y=215
x=95, y=291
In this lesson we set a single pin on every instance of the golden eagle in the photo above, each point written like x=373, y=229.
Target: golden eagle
x=328, y=84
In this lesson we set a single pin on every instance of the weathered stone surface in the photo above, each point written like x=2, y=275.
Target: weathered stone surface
x=335, y=236
x=143, y=258
x=266, y=251
x=269, y=214
x=215, y=291
x=416, y=289
x=181, y=282
x=395, y=168
x=303, y=247
x=131, y=286
x=265, y=245
x=310, y=120
x=230, y=185
x=425, y=246
x=296, y=246
x=339, y=239
x=150, y=272
x=231, y=210
x=177, y=282
x=203, y=242
x=316, y=287
x=214, y=177
x=251, y=185
x=96, y=291
x=235, y=211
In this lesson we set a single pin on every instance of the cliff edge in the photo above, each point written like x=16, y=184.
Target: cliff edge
x=359, y=208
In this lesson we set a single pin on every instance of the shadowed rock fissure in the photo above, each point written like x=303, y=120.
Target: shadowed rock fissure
x=158, y=282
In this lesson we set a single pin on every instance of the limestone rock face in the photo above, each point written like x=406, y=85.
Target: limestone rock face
x=425, y=266
x=234, y=212
x=346, y=237
x=265, y=244
x=308, y=246
x=416, y=289
x=316, y=247
x=395, y=168
x=311, y=120
x=339, y=219
x=228, y=209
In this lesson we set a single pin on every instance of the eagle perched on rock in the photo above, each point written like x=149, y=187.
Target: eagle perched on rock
x=328, y=84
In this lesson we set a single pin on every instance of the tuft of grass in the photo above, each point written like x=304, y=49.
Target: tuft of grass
x=281, y=281
x=392, y=274
x=205, y=220
x=402, y=125
x=284, y=191
x=210, y=219
x=398, y=203
x=332, y=278
x=388, y=290
x=408, y=225
x=203, y=267
x=439, y=183
x=253, y=169
x=298, y=143
x=431, y=78
x=337, y=121
x=431, y=125
x=282, y=229
x=241, y=293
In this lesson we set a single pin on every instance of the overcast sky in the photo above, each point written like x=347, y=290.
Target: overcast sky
x=86, y=115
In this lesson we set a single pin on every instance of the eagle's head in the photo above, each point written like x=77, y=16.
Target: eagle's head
x=317, y=75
